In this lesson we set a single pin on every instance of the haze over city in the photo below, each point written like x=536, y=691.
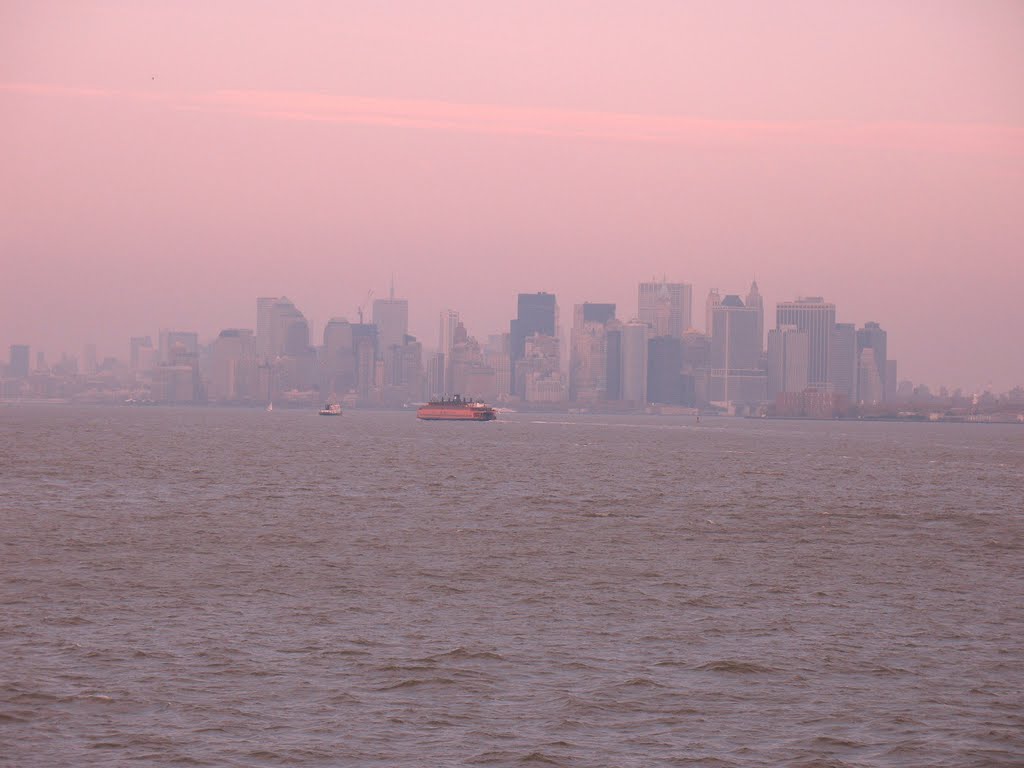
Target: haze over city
x=553, y=382
x=166, y=165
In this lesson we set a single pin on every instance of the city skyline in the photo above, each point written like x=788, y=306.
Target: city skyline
x=671, y=349
x=122, y=347
x=160, y=178
x=811, y=366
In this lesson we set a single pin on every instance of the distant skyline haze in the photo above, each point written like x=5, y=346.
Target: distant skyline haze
x=165, y=165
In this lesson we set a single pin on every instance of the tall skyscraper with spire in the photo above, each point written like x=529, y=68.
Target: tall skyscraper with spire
x=391, y=316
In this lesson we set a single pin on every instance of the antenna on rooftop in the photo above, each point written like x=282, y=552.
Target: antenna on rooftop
x=366, y=302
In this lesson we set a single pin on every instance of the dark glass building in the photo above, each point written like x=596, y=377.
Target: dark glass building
x=665, y=370
x=536, y=313
x=598, y=313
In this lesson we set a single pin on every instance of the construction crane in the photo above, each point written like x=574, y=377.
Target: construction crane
x=366, y=303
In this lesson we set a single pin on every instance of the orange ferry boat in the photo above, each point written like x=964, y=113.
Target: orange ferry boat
x=456, y=409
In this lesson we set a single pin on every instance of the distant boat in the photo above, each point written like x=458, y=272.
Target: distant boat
x=456, y=409
x=270, y=407
x=331, y=409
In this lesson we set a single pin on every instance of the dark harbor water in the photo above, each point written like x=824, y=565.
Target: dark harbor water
x=241, y=588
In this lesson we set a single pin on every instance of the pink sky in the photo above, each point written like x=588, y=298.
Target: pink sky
x=164, y=164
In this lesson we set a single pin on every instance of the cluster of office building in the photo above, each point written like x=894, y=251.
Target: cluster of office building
x=654, y=359
x=658, y=359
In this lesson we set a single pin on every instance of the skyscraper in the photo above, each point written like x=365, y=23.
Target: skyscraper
x=713, y=300
x=18, y=368
x=364, y=343
x=634, y=362
x=89, y=361
x=445, y=343
x=755, y=302
x=469, y=373
x=872, y=337
x=435, y=376
x=870, y=387
x=842, y=364
x=407, y=375
x=665, y=370
x=337, y=358
x=178, y=344
x=788, y=350
x=697, y=365
x=613, y=356
x=232, y=367
x=588, y=363
x=817, y=317
x=535, y=313
x=264, y=327
x=296, y=338
x=538, y=374
x=891, y=380
x=735, y=353
x=497, y=358
x=446, y=337
x=391, y=316
x=135, y=345
x=666, y=307
x=281, y=329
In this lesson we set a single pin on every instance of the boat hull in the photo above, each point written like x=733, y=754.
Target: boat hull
x=441, y=413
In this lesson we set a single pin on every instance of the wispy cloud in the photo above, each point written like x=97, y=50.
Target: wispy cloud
x=435, y=115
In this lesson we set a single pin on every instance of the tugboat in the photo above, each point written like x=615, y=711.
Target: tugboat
x=331, y=409
x=456, y=408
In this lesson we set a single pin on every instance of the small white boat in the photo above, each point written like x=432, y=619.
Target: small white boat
x=270, y=407
x=331, y=409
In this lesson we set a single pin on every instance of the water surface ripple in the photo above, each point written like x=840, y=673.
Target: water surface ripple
x=237, y=588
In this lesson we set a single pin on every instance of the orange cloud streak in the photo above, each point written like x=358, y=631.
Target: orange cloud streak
x=985, y=138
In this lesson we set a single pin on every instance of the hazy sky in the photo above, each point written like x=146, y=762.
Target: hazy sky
x=162, y=164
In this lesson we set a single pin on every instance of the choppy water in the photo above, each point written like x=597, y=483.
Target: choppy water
x=237, y=588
